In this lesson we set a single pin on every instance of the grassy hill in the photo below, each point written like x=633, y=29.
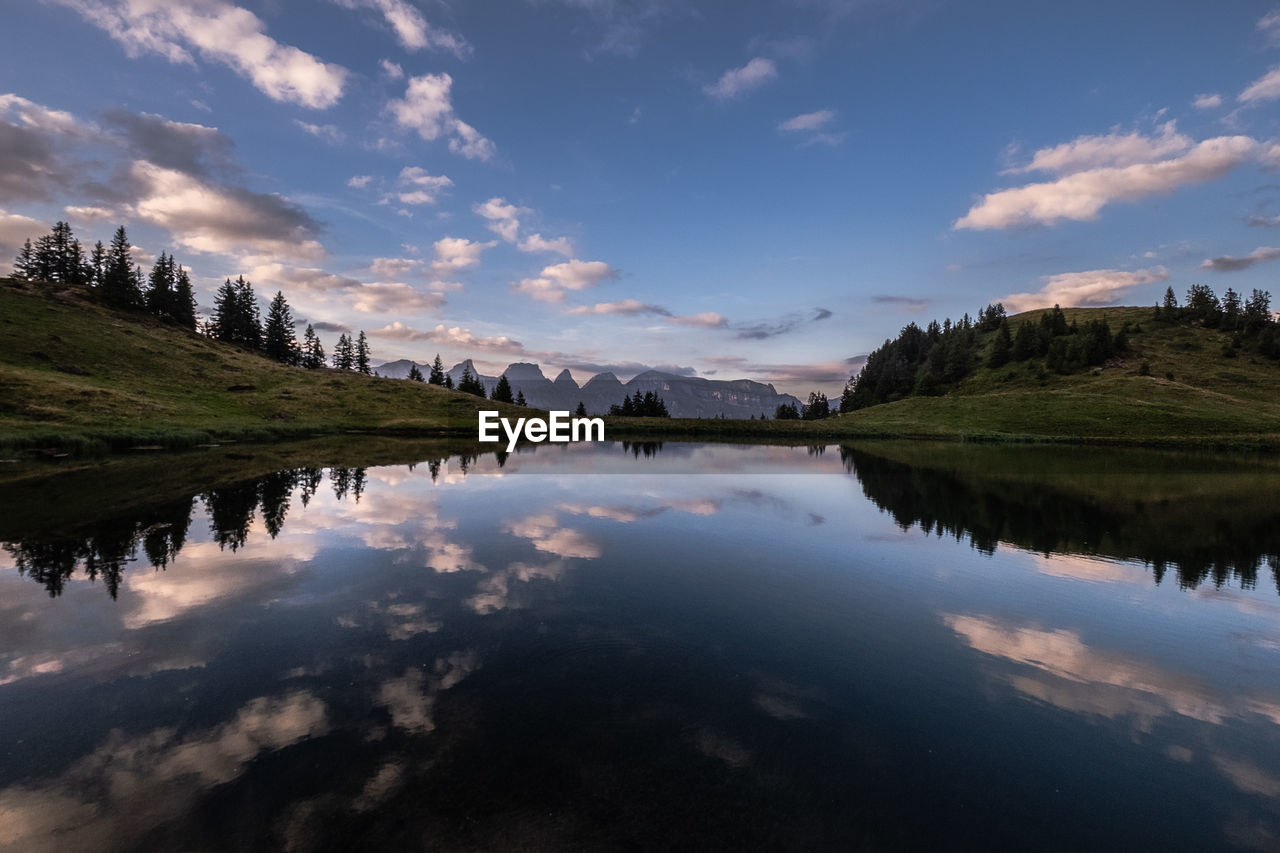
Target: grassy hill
x=1193, y=395
x=76, y=375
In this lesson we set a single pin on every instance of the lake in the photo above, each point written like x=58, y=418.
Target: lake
x=642, y=647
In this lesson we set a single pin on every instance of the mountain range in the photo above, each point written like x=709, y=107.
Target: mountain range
x=685, y=396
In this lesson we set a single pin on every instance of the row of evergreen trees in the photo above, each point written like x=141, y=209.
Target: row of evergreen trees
x=647, y=405
x=818, y=407
x=59, y=257
x=467, y=383
x=1248, y=320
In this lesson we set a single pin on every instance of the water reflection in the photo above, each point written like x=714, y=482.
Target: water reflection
x=708, y=647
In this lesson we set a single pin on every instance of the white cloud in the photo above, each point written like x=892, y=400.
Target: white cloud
x=391, y=69
x=441, y=334
x=457, y=253
x=219, y=32
x=706, y=320
x=1207, y=102
x=739, y=81
x=410, y=27
x=504, y=220
x=538, y=243
x=1227, y=263
x=382, y=297
x=427, y=108
x=808, y=121
x=1113, y=149
x=419, y=187
x=328, y=132
x=1265, y=88
x=627, y=308
x=1082, y=194
x=1082, y=289
x=14, y=231
x=205, y=217
x=1269, y=26
x=359, y=182
x=555, y=280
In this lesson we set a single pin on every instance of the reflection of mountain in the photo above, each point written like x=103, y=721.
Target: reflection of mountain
x=1229, y=537
x=685, y=396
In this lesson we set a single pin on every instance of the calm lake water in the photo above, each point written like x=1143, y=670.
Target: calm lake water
x=646, y=647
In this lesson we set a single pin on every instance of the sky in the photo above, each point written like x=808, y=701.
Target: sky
x=761, y=190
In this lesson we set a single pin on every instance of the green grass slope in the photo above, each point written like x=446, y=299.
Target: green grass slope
x=78, y=376
x=1194, y=395
x=1193, y=392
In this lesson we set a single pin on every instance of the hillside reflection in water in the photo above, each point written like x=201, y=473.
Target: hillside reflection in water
x=649, y=647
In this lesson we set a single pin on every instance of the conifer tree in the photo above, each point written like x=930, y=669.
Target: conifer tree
x=1231, y=310
x=520, y=401
x=436, y=376
x=312, y=350
x=470, y=384
x=119, y=284
x=344, y=355
x=362, y=354
x=24, y=264
x=846, y=398
x=278, y=341
x=448, y=381
x=249, y=317
x=1001, y=346
x=184, y=300
x=415, y=374
x=222, y=324
x=97, y=264
x=502, y=391
x=580, y=412
x=160, y=293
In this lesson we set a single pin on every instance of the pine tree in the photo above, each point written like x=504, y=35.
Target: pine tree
x=1001, y=346
x=222, y=325
x=415, y=374
x=312, y=351
x=819, y=407
x=502, y=391
x=470, y=384
x=362, y=354
x=1231, y=310
x=24, y=265
x=344, y=356
x=580, y=412
x=437, y=372
x=97, y=264
x=160, y=294
x=520, y=401
x=184, y=300
x=448, y=381
x=846, y=398
x=248, y=316
x=278, y=341
x=119, y=284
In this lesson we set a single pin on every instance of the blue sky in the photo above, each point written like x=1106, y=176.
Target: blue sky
x=754, y=189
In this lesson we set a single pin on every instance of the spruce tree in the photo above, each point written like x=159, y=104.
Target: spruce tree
x=222, y=325
x=184, y=300
x=362, y=354
x=448, y=381
x=25, y=263
x=119, y=285
x=580, y=412
x=97, y=264
x=344, y=356
x=160, y=294
x=846, y=398
x=415, y=374
x=502, y=391
x=248, y=316
x=312, y=351
x=436, y=376
x=520, y=399
x=278, y=341
x=471, y=384
x=1001, y=347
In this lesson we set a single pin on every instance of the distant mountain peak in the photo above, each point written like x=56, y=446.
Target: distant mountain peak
x=566, y=378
